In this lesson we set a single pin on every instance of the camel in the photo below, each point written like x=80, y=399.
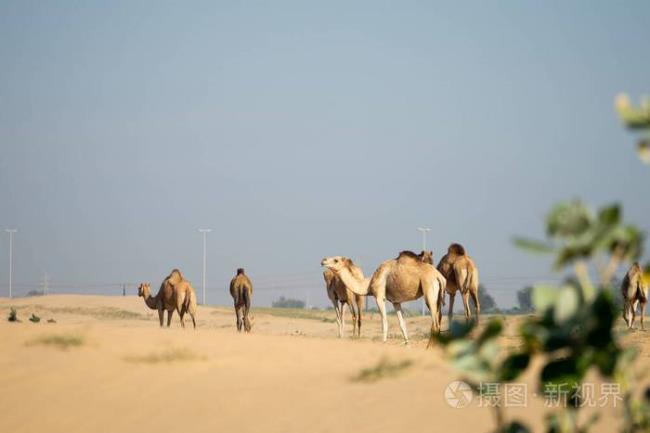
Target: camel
x=175, y=293
x=635, y=293
x=399, y=280
x=241, y=290
x=461, y=274
x=341, y=295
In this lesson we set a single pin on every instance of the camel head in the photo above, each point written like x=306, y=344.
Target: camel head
x=336, y=263
x=426, y=257
x=456, y=249
x=144, y=290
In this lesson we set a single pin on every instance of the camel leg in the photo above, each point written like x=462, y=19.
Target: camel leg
x=627, y=314
x=353, y=314
x=450, y=314
x=381, y=306
x=181, y=313
x=468, y=312
x=642, y=313
x=477, y=305
x=192, y=315
x=431, y=299
x=239, y=318
x=359, y=302
x=338, y=316
x=170, y=313
x=400, y=318
x=342, y=319
x=161, y=315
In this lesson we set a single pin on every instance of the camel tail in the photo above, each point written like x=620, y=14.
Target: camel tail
x=247, y=306
x=441, y=295
x=641, y=295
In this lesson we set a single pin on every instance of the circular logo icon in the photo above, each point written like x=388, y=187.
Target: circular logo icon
x=458, y=394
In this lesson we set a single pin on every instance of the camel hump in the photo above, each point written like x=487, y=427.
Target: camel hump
x=407, y=253
x=176, y=273
x=240, y=271
x=456, y=249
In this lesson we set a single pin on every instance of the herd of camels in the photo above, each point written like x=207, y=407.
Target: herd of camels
x=405, y=278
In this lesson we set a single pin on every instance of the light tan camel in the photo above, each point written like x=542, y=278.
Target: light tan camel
x=462, y=275
x=399, y=280
x=175, y=293
x=241, y=290
x=635, y=293
x=341, y=295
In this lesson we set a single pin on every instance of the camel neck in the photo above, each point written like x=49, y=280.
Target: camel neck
x=150, y=301
x=357, y=285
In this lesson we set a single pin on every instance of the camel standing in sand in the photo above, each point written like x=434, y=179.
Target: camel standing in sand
x=399, y=280
x=241, y=290
x=635, y=293
x=462, y=275
x=341, y=295
x=175, y=293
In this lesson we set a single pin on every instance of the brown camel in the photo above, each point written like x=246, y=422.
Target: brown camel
x=399, y=280
x=635, y=293
x=462, y=275
x=341, y=295
x=175, y=293
x=241, y=290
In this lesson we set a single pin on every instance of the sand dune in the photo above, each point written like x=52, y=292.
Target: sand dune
x=105, y=366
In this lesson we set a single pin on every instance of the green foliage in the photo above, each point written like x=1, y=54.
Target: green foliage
x=288, y=303
x=524, y=299
x=637, y=119
x=13, y=316
x=572, y=330
x=576, y=233
x=488, y=304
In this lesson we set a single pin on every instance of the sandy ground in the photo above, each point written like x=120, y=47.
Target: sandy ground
x=291, y=374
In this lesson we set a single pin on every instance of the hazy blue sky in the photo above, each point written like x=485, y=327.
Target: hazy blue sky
x=300, y=129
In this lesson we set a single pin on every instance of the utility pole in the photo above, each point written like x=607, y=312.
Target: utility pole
x=11, y=258
x=45, y=284
x=424, y=231
x=205, y=233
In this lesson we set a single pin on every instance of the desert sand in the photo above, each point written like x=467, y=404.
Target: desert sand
x=106, y=366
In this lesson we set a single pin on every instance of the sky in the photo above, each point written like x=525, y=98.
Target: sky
x=298, y=130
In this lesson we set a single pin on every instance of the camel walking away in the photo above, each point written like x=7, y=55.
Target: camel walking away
x=341, y=295
x=635, y=294
x=175, y=293
x=399, y=280
x=462, y=275
x=241, y=290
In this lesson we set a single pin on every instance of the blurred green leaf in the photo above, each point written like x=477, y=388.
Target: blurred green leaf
x=544, y=297
x=493, y=329
x=533, y=246
x=513, y=366
x=516, y=427
x=566, y=304
x=609, y=214
x=568, y=219
x=562, y=372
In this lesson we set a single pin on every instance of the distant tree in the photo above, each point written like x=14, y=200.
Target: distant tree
x=288, y=303
x=486, y=300
x=524, y=299
x=35, y=293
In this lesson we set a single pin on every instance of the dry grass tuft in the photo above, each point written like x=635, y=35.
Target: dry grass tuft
x=384, y=369
x=60, y=341
x=166, y=356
